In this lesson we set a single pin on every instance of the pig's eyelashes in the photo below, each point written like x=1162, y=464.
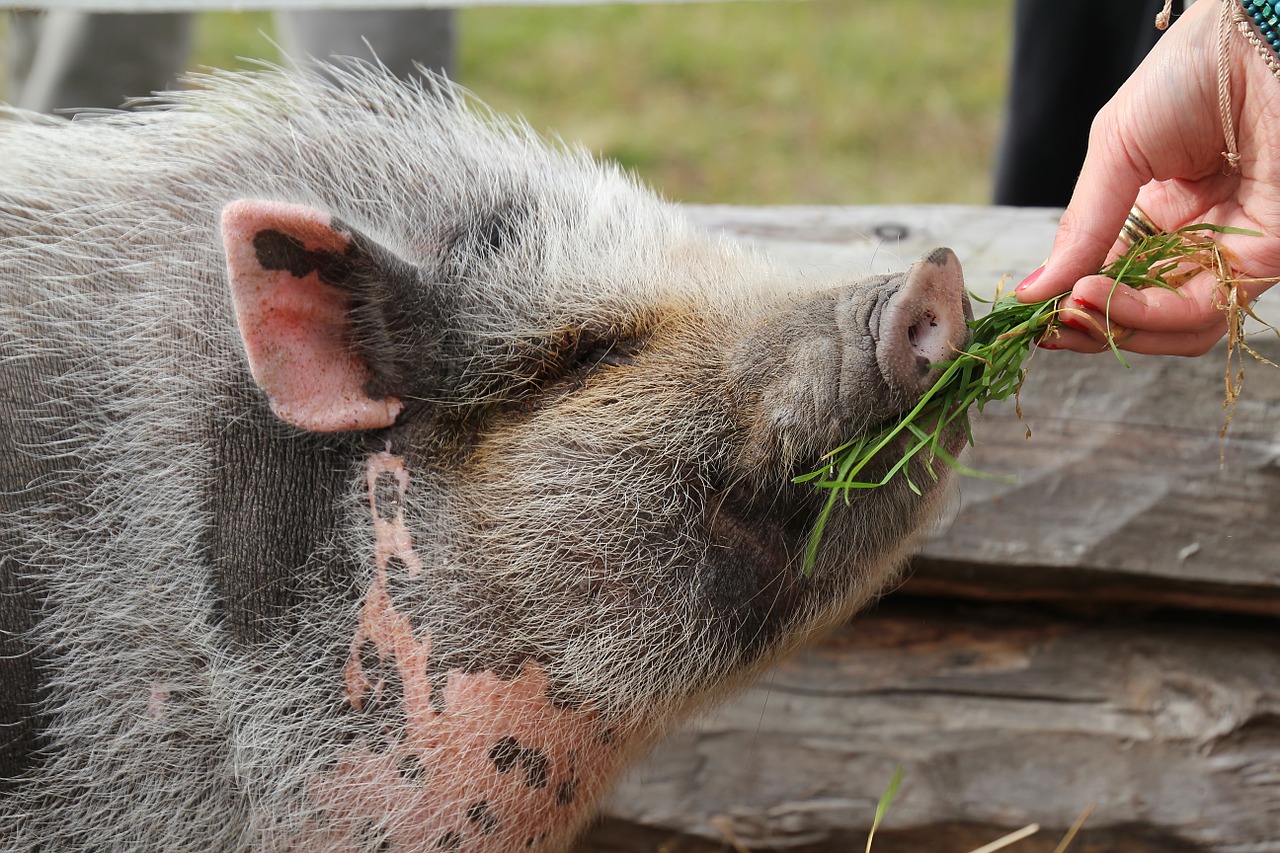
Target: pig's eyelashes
x=605, y=354
x=590, y=358
x=589, y=353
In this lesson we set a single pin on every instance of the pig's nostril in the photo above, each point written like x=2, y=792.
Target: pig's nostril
x=921, y=330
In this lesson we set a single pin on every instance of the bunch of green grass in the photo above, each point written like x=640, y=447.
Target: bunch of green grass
x=993, y=366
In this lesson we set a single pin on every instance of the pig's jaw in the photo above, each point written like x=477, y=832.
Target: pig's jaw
x=486, y=764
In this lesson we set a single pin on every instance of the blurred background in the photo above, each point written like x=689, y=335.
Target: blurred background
x=811, y=102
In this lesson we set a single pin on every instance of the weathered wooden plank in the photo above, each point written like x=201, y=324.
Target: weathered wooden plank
x=1001, y=716
x=860, y=240
x=1125, y=488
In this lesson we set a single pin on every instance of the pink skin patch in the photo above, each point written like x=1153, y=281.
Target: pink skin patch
x=157, y=700
x=295, y=327
x=495, y=765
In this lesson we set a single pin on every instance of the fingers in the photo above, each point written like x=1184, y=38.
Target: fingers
x=1185, y=322
x=1145, y=343
x=1162, y=124
x=1194, y=307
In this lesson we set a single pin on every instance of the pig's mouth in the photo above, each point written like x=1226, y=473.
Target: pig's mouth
x=751, y=577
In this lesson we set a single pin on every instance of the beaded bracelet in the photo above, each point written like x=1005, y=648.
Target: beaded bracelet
x=1259, y=22
x=1266, y=19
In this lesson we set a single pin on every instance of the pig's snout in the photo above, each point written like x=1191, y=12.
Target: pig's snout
x=923, y=323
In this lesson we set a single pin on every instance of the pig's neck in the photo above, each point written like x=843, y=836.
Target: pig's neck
x=487, y=763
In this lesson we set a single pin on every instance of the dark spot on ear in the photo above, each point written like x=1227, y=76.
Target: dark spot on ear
x=279, y=251
x=276, y=250
x=567, y=792
x=386, y=496
x=396, y=566
x=478, y=813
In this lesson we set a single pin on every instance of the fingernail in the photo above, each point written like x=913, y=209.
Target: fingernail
x=1030, y=280
x=1043, y=344
x=1066, y=318
x=1085, y=304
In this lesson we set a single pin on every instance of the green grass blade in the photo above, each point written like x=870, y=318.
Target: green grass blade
x=882, y=808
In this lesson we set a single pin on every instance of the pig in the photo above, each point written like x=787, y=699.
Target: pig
x=378, y=475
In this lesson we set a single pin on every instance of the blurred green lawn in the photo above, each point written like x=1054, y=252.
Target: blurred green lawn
x=815, y=101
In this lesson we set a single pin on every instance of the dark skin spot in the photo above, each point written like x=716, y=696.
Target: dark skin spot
x=507, y=754
x=450, y=841
x=503, y=754
x=380, y=742
x=386, y=687
x=567, y=792
x=371, y=840
x=410, y=767
x=478, y=813
x=496, y=234
x=278, y=251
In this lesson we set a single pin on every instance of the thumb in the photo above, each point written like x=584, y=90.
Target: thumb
x=1104, y=193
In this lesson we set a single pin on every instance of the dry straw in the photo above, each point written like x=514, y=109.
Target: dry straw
x=994, y=365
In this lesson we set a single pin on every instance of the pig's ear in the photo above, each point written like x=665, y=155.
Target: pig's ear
x=300, y=282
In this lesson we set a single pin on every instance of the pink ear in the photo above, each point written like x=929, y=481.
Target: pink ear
x=296, y=327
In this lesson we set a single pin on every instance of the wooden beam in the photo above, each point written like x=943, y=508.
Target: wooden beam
x=1001, y=716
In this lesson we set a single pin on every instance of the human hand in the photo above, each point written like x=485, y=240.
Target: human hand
x=1159, y=142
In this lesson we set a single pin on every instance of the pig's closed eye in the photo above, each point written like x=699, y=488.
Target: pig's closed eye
x=610, y=353
x=602, y=353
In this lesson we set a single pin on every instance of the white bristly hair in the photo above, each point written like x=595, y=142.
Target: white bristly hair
x=566, y=523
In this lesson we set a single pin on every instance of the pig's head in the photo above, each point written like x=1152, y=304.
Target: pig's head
x=582, y=421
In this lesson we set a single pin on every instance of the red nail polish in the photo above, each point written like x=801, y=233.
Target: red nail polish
x=1088, y=305
x=1029, y=280
x=1076, y=323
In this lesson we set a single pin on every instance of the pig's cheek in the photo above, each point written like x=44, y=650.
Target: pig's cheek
x=491, y=760
x=478, y=765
